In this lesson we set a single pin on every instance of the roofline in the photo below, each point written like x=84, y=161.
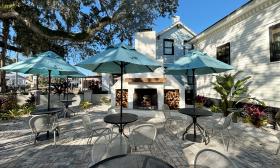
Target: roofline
x=173, y=25
x=217, y=22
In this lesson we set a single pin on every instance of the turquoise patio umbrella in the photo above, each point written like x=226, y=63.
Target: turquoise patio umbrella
x=47, y=63
x=120, y=59
x=196, y=63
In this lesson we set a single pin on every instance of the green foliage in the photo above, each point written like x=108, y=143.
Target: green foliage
x=85, y=105
x=10, y=109
x=105, y=100
x=215, y=109
x=65, y=26
x=231, y=89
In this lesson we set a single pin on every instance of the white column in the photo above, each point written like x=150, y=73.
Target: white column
x=182, y=103
x=130, y=96
x=160, y=92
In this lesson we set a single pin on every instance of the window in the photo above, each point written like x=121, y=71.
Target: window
x=168, y=47
x=274, y=43
x=223, y=53
x=186, y=46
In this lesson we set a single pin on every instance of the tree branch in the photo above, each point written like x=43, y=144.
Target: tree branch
x=9, y=47
x=56, y=34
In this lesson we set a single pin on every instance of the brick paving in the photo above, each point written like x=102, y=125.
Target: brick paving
x=253, y=147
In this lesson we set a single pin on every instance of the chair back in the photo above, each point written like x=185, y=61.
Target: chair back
x=40, y=123
x=144, y=134
x=118, y=145
x=166, y=111
x=99, y=150
x=87, y=123
x=227, y=121
x=212, y=159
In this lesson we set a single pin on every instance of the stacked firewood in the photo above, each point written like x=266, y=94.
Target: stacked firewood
x=124, y=99
x=172, y=98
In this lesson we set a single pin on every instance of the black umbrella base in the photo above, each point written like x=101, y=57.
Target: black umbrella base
x=191, y=137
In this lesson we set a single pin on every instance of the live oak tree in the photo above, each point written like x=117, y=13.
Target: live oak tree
x=74, y=27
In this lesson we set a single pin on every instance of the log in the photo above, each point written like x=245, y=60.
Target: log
x=124, y=99
x=172, y=98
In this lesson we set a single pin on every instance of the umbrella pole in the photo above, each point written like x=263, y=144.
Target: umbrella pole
x=37, y=82
x=121, y=128
x=194, y=89
x=49, y=94
x=67, y=88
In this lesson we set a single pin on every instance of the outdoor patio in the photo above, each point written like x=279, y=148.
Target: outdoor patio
x=253, y=148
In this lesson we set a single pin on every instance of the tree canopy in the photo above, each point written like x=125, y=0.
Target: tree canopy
x=80, y=25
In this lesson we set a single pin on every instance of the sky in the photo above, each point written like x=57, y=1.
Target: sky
x=200, y=14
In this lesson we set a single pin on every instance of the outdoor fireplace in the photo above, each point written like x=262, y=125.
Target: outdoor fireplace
x=145, y=99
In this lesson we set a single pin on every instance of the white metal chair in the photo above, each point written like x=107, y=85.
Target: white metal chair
x=144, y=134
x=43, y=123
x=108, y=145
x=212, y=159
x=118, y=145
x=91, y=131
x=99, y=150
x=223, y=130
x=169, y=118
x=278, y=148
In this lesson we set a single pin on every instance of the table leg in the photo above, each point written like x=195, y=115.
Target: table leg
x=204, y=134
x=186, y=131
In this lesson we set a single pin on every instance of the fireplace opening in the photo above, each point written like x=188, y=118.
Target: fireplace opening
x=145, y=99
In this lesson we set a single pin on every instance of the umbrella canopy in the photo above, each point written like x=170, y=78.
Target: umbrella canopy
x=110, y=61
x=42, y=64
x=45, y=63
x=198, y=61
x=120, y=59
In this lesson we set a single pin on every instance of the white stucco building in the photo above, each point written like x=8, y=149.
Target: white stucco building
x=149, y=90
x=249, y=40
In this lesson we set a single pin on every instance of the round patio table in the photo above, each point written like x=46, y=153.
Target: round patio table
x=66, y=107
x=116, y=120
x=132, y=161
x=199, y=112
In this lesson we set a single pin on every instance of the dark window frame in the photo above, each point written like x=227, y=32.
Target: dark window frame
x=273, y=44
x=184, y=47
x=164, y=47
x=226, y=53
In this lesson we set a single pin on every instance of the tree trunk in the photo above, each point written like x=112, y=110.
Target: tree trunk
x=5, y=30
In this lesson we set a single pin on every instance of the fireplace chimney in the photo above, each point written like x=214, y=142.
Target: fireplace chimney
x=145, y=42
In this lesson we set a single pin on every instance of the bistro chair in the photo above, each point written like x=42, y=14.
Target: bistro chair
x=44, y=123
x=223, y=130
x=99, y=150
x=118, y=145
x=212, y=159
x=169, y=118
x=91, y=131
x=144, y=134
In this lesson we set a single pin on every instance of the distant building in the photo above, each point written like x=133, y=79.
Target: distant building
x=11, y=80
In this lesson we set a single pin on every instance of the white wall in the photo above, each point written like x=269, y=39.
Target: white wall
x=249, y=44
x=179, y=35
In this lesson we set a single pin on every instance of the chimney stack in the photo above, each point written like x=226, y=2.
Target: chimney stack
x=175, y=19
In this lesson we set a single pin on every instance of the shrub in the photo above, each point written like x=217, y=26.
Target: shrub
x=85, y=105
x=256, y=115
x=105, y=100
